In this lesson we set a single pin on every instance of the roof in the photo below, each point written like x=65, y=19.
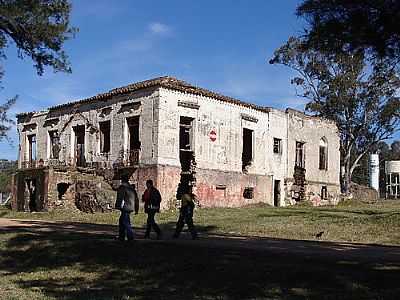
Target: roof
x=165, y=82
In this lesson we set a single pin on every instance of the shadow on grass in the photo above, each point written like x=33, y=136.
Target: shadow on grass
x=82, y=261
x=322, y=212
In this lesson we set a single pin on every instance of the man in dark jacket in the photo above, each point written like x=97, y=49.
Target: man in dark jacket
x=127, y=201
x=152, y=199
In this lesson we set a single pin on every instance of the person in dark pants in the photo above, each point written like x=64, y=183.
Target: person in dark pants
x=152, y=199
x=186, y=212
x=127, y=201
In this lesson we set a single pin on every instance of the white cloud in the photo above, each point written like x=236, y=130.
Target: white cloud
x=291, y=102
x=159, y=28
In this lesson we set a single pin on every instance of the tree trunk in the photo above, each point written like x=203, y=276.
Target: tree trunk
x=349, y=168
x=347, y=181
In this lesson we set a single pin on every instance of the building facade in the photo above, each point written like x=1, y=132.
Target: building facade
x=234, y=153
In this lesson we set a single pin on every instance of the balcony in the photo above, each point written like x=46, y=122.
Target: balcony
x=103, y=161
x=129, y=158
x=36, y=164
x=31, y=164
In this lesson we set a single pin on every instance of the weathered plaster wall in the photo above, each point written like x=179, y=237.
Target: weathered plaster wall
x=311, y=130
x=219, y=162
x=225, y=153
x=90, y=115
x=276, y=163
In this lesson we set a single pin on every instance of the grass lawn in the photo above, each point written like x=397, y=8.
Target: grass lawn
x=56, y=265
x=376, y=223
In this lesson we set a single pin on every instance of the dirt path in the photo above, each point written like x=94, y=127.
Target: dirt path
x=307, y=249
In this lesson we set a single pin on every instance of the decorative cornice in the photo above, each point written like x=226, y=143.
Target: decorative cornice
x=188, y=104
x=249, y=118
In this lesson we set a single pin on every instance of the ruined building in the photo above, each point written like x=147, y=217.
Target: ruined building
x=233, y=153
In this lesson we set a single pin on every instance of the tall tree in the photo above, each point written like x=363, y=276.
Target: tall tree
x=343, y=88
x=395, y=147
x=38, y=29
x=371, y=26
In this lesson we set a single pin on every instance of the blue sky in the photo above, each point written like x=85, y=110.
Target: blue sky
x=220, y=45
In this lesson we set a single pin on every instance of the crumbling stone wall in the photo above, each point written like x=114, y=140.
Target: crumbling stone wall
x=86, y=192
x=310, y=130
x=116, y=110
x=21, y=195
x=224, y=154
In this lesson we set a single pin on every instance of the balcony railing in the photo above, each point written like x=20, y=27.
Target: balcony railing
x=103, y=161
x=35, y=164
x=29, y=164
x=129, y=158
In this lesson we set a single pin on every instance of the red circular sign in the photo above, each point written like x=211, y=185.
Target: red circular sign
x=213, y=135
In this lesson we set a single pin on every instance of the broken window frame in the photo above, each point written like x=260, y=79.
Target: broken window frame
x=323, y=154
x=300, y=154
x=186, y=125
x=324, y=192
x=105, y=143
x=248, y=193
x=132, y=143
x=277, y=146
x=54, y=137
x=133, y=126
x=32, y=150
x=80, y=160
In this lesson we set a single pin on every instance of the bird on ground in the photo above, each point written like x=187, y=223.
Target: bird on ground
x=319, y=234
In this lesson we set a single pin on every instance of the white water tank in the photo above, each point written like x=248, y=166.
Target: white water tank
x=392, y=166
x=374, y=171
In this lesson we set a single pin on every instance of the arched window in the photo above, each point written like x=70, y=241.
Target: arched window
x=323, y=154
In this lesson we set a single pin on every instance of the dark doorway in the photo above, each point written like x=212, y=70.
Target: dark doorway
x=54, y=144
x=300, y=162
x=134, y=144
x=80, y=145
x=32, y=189
x=133, y=131
x=105, y=137
x=186, y=155
x=277, y=192
x=247, y=151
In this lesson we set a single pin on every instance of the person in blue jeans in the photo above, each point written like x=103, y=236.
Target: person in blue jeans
x=127, y=202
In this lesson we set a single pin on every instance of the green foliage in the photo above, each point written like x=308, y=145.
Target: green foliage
x=369, y=26
x=5, y=121
x=344, y=88
x=38, y=29
x=5, y=179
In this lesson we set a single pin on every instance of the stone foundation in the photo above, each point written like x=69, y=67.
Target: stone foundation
x=95, y=191
x=216, y=188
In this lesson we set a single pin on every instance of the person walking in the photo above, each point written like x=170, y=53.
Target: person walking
x=152, y=199
x=186, y=211
x=127, y=201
